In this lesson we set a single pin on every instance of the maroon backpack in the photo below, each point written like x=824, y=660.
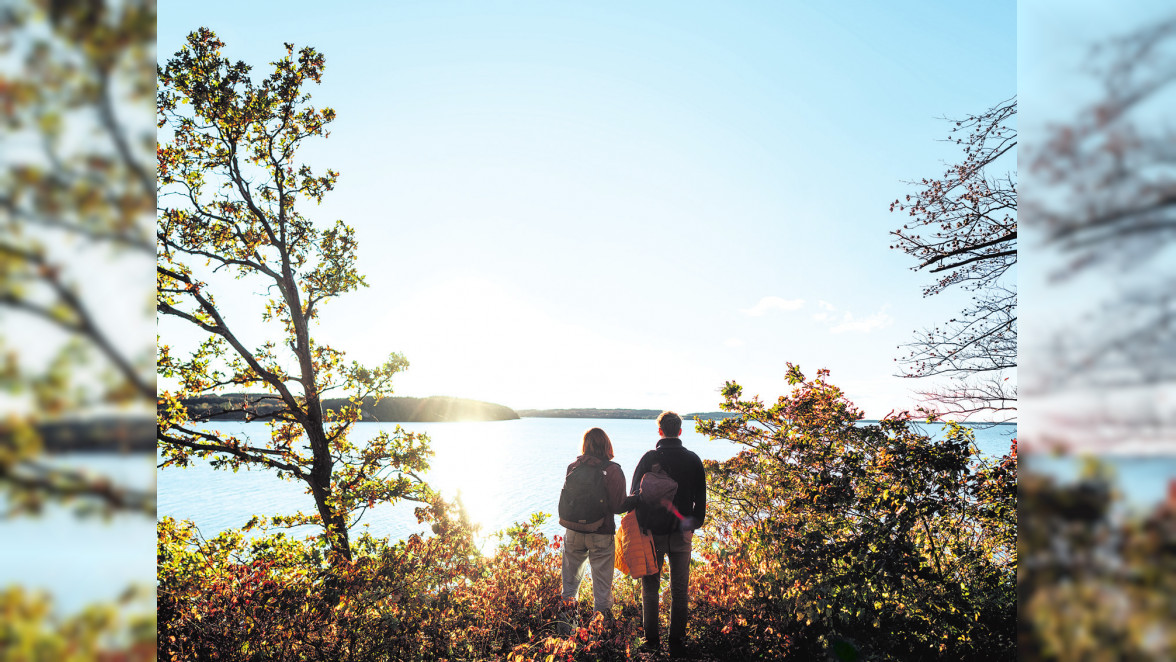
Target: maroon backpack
x=658, y=489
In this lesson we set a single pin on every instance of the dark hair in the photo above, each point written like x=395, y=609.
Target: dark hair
x=670, y=424
x=597, y=443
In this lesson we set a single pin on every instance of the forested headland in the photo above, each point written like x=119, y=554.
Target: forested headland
x=260, y=407
x=100, y=435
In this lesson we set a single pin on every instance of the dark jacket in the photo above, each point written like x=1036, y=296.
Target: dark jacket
x=614, y=482
x=686, y=469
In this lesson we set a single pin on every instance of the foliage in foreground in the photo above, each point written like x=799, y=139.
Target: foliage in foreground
x=425, y=597
x=1094, y=584
x=825, y=539
x=106, y=632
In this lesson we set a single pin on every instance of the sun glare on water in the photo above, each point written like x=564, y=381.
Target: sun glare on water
x=471, y=463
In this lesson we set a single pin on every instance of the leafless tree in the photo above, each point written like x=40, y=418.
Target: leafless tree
x=963, y=229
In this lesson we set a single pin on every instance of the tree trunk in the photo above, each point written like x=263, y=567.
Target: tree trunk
x=334, y=521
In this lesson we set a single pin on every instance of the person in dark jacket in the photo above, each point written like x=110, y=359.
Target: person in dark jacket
x=672, y=528
x=597, y=546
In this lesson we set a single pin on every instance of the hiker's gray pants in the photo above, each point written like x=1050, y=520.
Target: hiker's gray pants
x=677, y=546
x=598, y=549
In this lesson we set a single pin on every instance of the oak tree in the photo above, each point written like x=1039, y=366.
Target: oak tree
x=963, y=229
x=231, y=221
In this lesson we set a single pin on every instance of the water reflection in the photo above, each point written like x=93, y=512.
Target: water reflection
x=475, y=461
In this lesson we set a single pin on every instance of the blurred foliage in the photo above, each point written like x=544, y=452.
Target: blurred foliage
x=75, y=181
x=1095, y=582
x=1102, y=209
x=77, y=196
x=31, y=632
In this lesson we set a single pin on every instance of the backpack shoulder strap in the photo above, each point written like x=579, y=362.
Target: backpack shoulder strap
x=598, y=467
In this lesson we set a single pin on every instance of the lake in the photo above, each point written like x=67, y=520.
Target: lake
x=504, y=471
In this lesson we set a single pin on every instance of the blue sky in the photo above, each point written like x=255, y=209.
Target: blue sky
x=625, y=205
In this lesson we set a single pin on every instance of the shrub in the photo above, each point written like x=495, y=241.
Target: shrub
x=858, y=540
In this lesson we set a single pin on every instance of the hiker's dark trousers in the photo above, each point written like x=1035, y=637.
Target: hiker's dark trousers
x=677, y=546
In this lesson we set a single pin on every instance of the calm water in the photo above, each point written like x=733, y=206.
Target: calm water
x=80, y=561
x=504, y=470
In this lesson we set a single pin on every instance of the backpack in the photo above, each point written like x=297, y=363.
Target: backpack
x=658, y=489
x=583, y=502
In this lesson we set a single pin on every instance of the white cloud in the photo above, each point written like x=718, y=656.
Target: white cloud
x=826, y=312
x=845, y=321
x=772, y=303
x=733, y=342
x=848, y=322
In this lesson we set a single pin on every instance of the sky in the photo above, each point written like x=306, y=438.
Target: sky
x=628, y=204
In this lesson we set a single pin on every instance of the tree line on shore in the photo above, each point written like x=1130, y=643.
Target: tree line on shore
x=396, y=409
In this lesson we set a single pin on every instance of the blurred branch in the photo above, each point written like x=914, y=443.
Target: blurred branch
x=35, y=482
x=75, y=178
x=1104, y=200
x=1107, y=193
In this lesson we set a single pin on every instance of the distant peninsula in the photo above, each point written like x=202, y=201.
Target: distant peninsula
x=649, y=414
x=437, y=408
